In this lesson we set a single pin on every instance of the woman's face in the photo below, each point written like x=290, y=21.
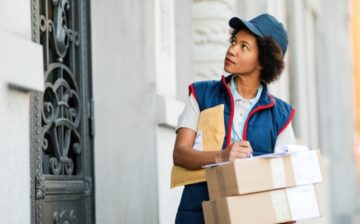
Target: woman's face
x=242, y=55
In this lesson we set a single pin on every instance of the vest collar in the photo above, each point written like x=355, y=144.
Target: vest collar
x=266, y=99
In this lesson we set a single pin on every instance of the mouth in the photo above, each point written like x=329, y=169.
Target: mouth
x=228, y=61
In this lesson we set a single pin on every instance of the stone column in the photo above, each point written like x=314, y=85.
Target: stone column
x=21, y=70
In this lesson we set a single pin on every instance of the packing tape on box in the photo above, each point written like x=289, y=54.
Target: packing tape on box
x=306, y=168
x=279, y=202
x=278, y=172
x=303, y=202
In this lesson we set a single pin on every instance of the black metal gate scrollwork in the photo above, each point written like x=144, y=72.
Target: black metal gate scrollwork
x=62, y=115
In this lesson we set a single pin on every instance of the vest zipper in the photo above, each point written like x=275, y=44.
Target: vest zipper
x=228, y=133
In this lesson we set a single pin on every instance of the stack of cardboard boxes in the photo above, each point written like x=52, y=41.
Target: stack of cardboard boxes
x=264, y=190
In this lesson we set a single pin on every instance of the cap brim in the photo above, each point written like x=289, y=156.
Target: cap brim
x=237, y=23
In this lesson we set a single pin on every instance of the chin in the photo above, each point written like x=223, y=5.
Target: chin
x=227, y=70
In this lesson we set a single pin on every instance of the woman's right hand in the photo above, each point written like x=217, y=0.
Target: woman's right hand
x=237, y=150
x=185, y=156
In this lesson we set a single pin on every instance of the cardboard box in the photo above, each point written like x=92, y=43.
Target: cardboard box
x=278, y=206
x=244, y=176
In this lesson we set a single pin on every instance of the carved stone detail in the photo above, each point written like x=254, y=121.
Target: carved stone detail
x=64, y=187
x=64, y=216
x=88, y=185
x=211, y=34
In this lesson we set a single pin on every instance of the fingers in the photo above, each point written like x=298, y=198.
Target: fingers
x=237, y=150
x=238, y=155
x=243, y=146
x=240, y=150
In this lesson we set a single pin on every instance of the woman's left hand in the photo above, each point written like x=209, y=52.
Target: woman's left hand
x=245, y=146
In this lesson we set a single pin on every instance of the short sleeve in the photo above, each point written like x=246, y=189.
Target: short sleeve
x=189, y=118
x=287, y=136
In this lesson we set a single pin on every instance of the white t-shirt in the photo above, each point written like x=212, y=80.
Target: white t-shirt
x=189, y=118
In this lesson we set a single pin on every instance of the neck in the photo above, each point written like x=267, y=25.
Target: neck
x=246, y=86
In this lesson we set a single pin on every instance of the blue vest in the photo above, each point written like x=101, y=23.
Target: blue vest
x=267, y=119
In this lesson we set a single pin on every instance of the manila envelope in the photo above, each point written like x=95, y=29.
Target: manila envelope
x=209, y=137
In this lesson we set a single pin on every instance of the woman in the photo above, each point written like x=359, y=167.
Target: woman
x=254, y=120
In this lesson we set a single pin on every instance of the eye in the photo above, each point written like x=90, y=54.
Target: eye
x=244, y=47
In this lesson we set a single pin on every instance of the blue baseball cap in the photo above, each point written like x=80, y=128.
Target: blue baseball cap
x=264, y=25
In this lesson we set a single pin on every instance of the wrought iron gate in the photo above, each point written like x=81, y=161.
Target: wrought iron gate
x=62, y=116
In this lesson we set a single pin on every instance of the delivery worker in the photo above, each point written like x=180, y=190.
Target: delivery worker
x=255, y=121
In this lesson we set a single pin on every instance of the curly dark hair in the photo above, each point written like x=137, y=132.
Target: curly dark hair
x=271, y=58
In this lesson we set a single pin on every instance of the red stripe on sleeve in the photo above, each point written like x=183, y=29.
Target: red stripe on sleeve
x=288, y=121
x=192, y=90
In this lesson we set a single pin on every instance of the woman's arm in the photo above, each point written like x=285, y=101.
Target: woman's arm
x=185, y=156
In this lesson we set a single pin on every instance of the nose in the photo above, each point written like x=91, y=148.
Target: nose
x=232, y=50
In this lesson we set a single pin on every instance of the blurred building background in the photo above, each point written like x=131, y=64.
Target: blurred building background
x=143, y=55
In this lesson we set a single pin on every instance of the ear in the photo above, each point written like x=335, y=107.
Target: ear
x=258, y=67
